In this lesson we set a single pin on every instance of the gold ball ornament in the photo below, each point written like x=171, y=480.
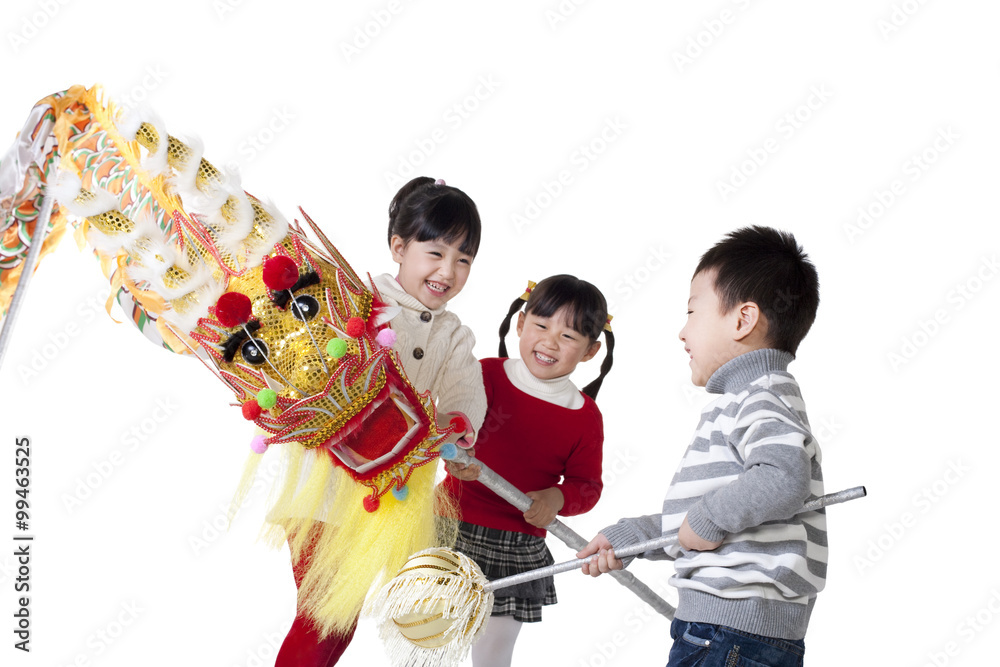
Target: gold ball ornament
x=438, y=599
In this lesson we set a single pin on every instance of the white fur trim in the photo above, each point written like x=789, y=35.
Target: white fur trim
x=208, y=294
x=184, y=180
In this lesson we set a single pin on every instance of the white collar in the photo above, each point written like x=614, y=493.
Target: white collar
x=560, y=391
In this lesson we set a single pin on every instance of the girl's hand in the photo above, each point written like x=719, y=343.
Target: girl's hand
x=692, y=540
x=466, y=473
x=546, y=505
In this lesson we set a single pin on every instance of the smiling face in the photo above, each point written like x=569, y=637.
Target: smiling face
x=432, y=272
x=550, y=347
x=707, y=334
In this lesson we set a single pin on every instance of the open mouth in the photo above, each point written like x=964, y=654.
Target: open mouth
x=545, y=359
x=392, y=426
x=436, y=288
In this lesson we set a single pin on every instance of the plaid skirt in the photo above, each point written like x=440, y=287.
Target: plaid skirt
x=502, y=553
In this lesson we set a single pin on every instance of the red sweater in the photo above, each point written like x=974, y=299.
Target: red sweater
x=534, y=445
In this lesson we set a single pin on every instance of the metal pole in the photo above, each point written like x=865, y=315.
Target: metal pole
x=571, y=538
x=27, y=269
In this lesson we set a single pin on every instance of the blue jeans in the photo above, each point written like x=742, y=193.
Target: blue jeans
x=707, y=645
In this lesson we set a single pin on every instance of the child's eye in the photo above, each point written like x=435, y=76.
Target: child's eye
x=689, y=312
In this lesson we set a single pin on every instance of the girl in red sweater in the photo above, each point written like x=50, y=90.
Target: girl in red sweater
x=545, y=437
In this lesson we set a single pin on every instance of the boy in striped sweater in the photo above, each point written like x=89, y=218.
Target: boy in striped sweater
x=747, y=567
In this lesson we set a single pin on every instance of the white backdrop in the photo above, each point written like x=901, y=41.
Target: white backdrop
x=613, y=140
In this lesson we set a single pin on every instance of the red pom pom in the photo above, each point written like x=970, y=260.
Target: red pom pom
x=371, y=504
x=355, y=327
x=251, y=410
x=233, y=309
x=280, y=273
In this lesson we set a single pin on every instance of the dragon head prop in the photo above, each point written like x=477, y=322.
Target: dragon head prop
x=303, y=343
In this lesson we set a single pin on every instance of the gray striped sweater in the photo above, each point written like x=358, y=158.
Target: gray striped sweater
x=751, y=465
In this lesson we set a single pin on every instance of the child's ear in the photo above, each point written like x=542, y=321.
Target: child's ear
x=749, y=318
x=520, y=322
x=592, y=351
x=396, y=246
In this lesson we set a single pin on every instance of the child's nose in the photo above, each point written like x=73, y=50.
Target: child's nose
x=447, y=270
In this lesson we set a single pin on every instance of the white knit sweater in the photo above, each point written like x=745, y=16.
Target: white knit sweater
x=436, y=351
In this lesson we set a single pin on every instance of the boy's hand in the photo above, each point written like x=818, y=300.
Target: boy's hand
x=546, y=505
x=462, y=471
x=605, y=562
x=691, y=540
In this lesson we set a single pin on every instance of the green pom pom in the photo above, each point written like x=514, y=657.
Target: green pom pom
x=267, y=398
x=336, y=348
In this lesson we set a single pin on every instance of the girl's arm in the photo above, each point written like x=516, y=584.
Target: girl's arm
x=581, y=485
x=459, y=384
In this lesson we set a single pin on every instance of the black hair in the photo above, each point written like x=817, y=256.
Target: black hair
x=424, y=210
x=768, y=267
x=588, y=315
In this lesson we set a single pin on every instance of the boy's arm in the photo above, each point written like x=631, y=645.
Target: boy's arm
x=622, y=534
x=777, y=473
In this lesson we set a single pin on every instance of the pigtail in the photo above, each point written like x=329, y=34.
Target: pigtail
x=595, y=386
x=505, y=325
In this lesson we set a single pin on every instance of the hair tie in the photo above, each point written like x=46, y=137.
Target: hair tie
x=527, y=292
x=440, y=181
x=607, y=325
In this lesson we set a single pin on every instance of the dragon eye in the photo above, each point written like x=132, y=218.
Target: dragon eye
x=254, y=351
x=305, y=307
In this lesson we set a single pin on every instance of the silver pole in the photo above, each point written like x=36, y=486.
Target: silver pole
x=571, y=538
x=657, y=543
x=27, y=269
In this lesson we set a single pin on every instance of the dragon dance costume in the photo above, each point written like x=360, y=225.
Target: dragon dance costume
x=303, y=343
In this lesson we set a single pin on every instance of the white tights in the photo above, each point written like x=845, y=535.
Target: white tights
x=496, y=647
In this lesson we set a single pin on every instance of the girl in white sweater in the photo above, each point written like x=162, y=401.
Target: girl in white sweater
x=434, y=232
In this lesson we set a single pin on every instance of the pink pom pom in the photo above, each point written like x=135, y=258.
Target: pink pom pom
x=280, y=273
x=355, y=327
x=386, y=338
x=258, y=445
x=233, y=309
